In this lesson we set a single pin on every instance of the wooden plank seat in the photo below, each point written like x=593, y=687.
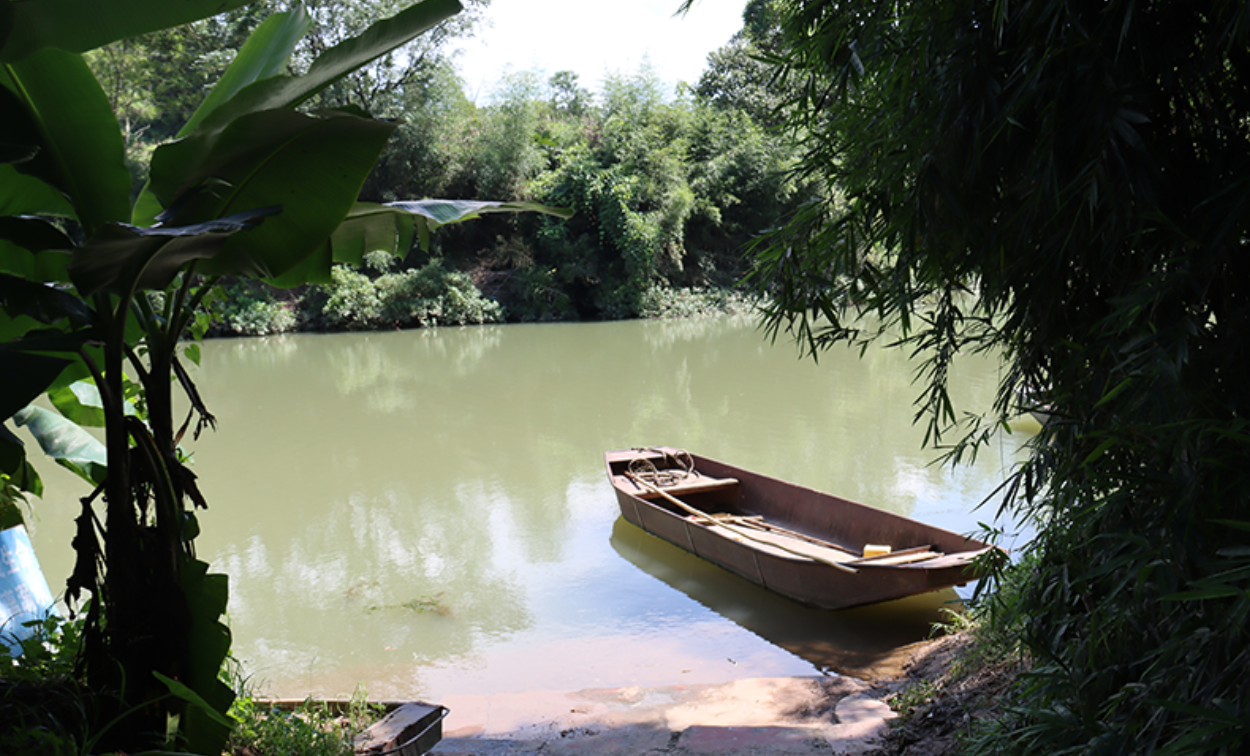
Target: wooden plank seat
x=695, y=484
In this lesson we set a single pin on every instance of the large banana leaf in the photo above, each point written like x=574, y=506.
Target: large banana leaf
x=32, y=233
x=311, y=165
x=81, y=151
x=23, y=377
x=207, y=596
x=123, y=258
x=21, y=194
x=438, y=212
x=80, y=402
x=262, y=56
x=39, y=361
x=42, y=266
x=66, y=442
x=81, y=25
x=25, y=248
x=314, y=268
x=347, y=56
x=389, y=227
x=21, y=474
x=29, y=361
x=174, y=162
x=44, y=304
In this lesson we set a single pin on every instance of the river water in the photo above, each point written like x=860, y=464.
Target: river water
x=426, y=513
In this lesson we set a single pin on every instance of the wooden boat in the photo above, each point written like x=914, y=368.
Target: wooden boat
x=809, y=546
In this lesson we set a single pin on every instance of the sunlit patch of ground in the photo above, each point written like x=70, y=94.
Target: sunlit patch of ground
x=944, y=691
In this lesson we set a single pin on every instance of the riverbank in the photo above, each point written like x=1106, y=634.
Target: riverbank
x=430, y=296
x=940, y=691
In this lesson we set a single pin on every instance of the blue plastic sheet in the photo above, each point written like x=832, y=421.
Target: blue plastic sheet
x=24, y=594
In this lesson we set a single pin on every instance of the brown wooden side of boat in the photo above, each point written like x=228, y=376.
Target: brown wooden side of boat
x=722, y=488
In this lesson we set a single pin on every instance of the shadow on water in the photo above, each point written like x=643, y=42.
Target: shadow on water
x=868, y=642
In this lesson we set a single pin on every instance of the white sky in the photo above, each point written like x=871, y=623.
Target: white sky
x=594, y=38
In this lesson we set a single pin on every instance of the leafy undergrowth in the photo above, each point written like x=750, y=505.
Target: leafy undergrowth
x=953, y=684
x=311, y=728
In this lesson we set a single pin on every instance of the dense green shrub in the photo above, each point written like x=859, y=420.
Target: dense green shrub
x=430, y=296
x=693, y=301
x=250, y=308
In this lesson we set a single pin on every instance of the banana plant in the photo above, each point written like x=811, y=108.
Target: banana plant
x=97, y=294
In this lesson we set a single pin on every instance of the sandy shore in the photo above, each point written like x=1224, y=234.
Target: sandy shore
x=775, y=716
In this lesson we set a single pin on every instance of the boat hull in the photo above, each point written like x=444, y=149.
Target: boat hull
x=841, y=522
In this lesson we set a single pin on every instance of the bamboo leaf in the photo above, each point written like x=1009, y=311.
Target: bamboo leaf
x=1114, y=392
x=1201, y=712
x=1214, y=592
x=1099, y=450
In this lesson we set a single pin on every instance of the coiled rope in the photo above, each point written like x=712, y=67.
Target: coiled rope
x=679, y=466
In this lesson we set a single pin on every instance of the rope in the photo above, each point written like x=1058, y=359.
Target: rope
x=645, y=469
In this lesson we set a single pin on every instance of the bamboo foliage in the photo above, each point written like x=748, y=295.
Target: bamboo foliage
x=1064, y=184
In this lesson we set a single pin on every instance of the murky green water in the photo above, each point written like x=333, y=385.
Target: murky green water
x=426, y=511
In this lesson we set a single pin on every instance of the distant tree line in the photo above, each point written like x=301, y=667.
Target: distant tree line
x=668, y=187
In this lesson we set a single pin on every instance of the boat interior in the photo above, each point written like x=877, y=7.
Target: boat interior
x=666, y=479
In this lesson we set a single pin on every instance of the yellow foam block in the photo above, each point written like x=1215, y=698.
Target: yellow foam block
x=874, y=550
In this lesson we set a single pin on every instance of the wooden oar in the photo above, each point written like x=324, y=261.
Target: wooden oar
x=704, y=517
x=765, y=525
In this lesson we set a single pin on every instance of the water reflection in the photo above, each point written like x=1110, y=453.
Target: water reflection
x=863, y=642
x=426, y=510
